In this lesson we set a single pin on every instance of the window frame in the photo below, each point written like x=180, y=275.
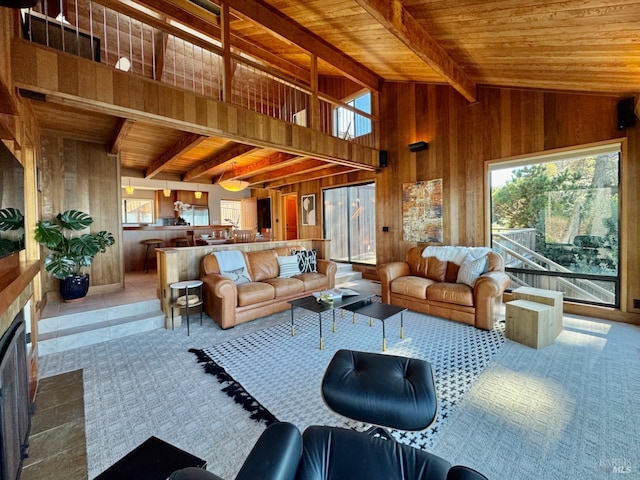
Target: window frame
x=553, y=156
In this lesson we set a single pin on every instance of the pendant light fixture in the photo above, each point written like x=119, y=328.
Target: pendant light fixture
x=129, y=189
x=167, y=191
x=198, y=193
x=232, y=184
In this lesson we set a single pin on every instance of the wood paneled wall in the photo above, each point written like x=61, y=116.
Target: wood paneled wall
x=462, y=138
x=82, y=176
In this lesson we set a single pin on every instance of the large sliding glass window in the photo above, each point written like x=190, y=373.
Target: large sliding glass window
x=350, y=223
x=555, y=221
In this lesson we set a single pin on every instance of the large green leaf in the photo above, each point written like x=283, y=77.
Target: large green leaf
x=74, y=220
x=84, y=245
x=11, y=219
x=8, y=246
x=105, y=239
x=60, y=266
x=50, y=235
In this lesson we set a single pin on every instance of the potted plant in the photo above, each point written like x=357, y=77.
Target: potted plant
x=69, y=253
x=11, y=220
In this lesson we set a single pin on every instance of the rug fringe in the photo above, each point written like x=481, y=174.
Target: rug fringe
x=234, y=389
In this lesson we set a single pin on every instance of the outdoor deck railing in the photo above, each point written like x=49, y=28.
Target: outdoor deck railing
x=519, y=255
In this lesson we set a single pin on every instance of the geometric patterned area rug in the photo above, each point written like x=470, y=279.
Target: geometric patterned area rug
x=277, y=377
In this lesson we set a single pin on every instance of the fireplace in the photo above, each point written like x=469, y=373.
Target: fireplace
x=15, y=405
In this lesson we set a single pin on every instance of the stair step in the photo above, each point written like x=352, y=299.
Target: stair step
x=97, y=316
x=99, y=331
x=344, y=277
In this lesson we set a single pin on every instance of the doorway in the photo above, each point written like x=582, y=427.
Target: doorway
x=290, y=209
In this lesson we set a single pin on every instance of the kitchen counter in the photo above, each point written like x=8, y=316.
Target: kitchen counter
x=175, y=227
x=134, y=251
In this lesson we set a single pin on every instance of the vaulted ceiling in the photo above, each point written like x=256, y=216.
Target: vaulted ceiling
x=566, y=45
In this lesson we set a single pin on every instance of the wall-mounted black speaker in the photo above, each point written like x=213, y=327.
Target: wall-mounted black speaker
x=626, y=113
x=383, y=158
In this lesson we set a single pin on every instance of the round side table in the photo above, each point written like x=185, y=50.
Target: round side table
x=190, y=299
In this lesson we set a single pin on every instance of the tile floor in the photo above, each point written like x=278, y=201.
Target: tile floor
x=138, y=286
x=57, y=443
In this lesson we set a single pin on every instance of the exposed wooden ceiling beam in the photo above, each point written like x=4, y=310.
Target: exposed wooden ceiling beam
x=120, y=134
x=217, y=159
x=199, y=19
x=186, y=143
x=285, y=27
x=287, y=170
x=395, y=18
x=313, y=175
x=271, y=162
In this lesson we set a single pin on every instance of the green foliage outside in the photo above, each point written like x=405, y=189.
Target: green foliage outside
x=573, y=207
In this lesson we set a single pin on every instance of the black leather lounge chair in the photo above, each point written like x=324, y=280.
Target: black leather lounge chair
x=386, y=390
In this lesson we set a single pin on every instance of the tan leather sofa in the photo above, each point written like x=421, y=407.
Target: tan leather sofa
x=429, y=285
x=230, y=304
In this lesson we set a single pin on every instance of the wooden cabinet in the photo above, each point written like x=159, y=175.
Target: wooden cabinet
x=164, y=205
x=186, y=196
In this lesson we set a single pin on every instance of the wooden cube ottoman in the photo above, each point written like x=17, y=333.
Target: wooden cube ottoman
x=530, y=323
x=548, y=297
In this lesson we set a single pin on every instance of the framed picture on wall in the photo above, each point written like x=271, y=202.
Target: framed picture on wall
x=308, y=210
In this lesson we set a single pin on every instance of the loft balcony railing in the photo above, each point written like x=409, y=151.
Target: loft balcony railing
x=141, y=42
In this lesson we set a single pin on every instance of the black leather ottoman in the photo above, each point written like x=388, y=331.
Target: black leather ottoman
x=386, y=390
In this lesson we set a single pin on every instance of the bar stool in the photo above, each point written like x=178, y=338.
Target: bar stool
x=155, y=242
x=188, y=300
x=180, y=242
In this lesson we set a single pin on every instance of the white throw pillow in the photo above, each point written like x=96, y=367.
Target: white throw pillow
x=471, y=269
x=288, y=266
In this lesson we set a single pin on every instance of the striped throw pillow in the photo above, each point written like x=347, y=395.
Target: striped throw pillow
x=288, y=266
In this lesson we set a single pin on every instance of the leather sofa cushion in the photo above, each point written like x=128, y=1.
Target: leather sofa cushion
x=286, y=286
x=452, y=272
x=417, y=263
x=313, y=281
x=436, y=269
x=263, y=265
x=411, y=286
x=426, y=267
x=457, y=293
x=255, y=292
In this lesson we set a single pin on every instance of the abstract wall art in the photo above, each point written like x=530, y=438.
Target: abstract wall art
x=422, y=211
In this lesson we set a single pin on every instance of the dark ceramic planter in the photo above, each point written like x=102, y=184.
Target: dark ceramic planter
x=74, y=288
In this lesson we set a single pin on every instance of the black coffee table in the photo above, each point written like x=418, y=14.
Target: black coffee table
x=380, y=311
x=311, y=303
x=154, y=459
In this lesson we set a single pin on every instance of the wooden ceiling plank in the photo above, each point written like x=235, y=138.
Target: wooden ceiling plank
x=270, y=162
x=395, y=18
x=313, y=175
x=119, y=136
x=273, y=20
x=186, y=143
x=217, y=159
x=288, y=170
